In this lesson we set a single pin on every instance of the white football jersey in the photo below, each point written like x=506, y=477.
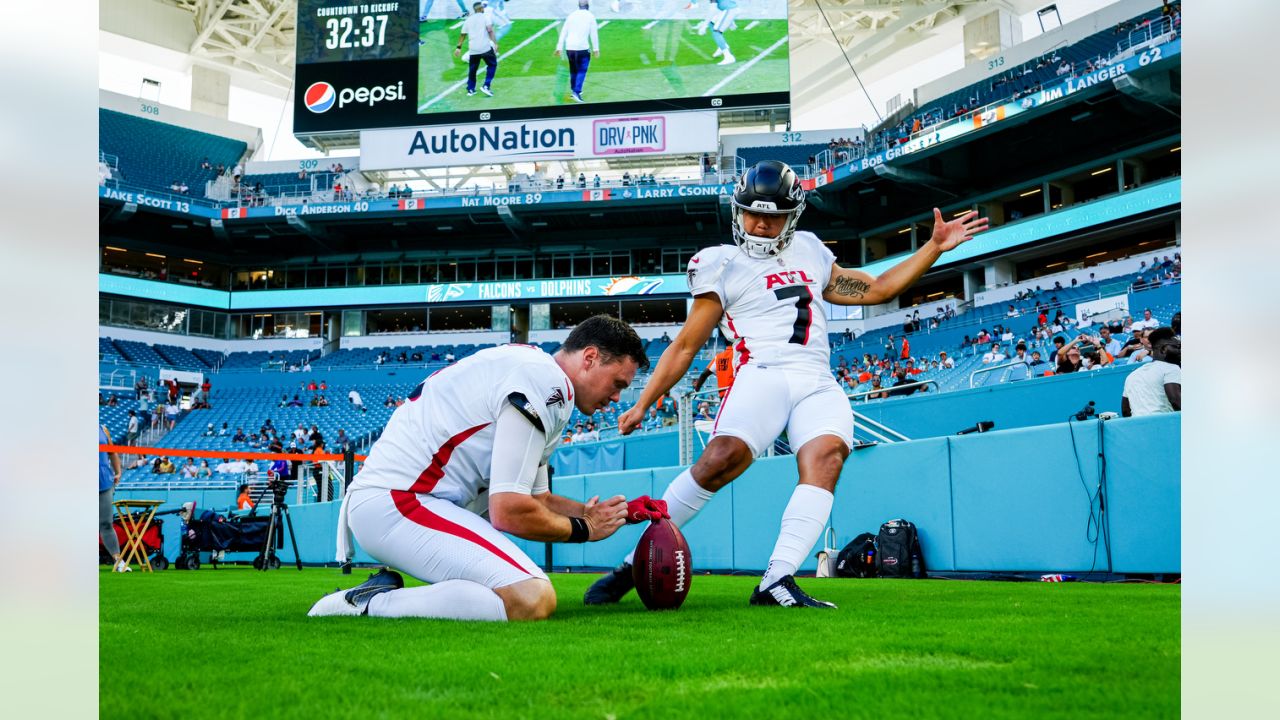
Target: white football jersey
x=773, y=311
x=440, y=442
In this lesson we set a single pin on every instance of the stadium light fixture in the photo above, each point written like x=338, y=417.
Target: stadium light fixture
x=1099, y=172
x=193, y=262
x=1177, y=149
x=155, y=255
x=1046, y=267
x=110, y=247
x=904, y=230
x=1044, y=12
x=1029, y=193
x=1097, y=254
x=960, y=213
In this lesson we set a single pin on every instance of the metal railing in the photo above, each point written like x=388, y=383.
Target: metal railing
x=877, y=430
x=889, y=391
x=973, y=376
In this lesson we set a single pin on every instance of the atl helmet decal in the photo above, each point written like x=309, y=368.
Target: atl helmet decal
x=319, y=97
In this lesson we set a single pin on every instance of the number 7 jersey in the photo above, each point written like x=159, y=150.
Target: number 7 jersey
x=773, y=309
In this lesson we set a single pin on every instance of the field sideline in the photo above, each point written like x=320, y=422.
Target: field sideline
x=236, y=643
x=639, y=60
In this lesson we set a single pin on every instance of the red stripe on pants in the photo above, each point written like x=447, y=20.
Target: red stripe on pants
x=427, y=480
x=409, y=506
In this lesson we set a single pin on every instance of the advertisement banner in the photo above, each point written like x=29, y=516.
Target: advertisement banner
x=541, y=289
x=535, y=140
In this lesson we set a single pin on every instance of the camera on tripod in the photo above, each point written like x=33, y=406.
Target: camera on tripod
x=279, y=488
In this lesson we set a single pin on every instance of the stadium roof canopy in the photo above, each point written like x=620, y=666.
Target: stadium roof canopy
x=253, y=40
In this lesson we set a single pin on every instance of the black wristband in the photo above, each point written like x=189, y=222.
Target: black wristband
x=580, y=532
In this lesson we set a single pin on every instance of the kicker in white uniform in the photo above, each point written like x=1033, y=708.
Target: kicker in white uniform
x=763, y=294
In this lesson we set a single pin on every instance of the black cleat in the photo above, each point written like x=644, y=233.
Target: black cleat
x=378, y=583
x=611, y=588
x=786, y=593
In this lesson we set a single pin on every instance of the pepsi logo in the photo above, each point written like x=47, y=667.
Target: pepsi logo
x=319, y=97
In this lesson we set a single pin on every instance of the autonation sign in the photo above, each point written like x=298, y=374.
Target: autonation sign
x=532, y=140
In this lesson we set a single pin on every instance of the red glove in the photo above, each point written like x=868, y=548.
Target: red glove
x=646, y=508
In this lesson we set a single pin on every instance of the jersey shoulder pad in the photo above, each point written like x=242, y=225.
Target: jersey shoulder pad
x=526, y=408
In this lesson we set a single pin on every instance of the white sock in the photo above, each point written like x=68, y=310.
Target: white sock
x=802, y=523
x=449, y=600
x=684, y=498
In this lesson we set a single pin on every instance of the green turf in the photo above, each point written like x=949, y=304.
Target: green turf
x=670, y=60
x=233, y=643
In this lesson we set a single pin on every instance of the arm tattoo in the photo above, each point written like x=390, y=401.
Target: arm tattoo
x=849, y=287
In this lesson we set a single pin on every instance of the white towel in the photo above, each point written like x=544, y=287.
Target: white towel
x=346, y=544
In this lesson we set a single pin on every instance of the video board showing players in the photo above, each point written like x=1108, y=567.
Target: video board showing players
x=398, y=64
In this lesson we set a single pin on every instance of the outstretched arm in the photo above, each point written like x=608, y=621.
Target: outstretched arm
x=854, y=287
x=676, y=359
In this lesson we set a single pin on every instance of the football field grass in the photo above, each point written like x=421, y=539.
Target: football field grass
x=639, y=60
x=235, y=643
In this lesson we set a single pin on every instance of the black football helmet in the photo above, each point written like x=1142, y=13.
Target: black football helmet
x=772, y=188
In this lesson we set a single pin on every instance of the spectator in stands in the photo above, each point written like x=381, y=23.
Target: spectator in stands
x=1058, y=343
x=1107, y=342
x=163, y=466
x=254, y=441
x=356, y=401
x=1011, y=312
x=190, y=471
x=295, y=402
x=996, y=355
x=239, y=436
x=651, y=420
x=945, y=361
x=703, y=412
x=1156, y=387
x=222, y=431
x=1020, y=354
x=315, y=435
x=1147, y=322
x=315, y=401
x=341, y=441
x=275, y=446
x=449, y=357
x=306, y=365
x=132, y=430
x=204, y=470
x=1036, y=359
x=209, y=431
x=1070, y=358
x=591, y=433
x=877, y=392
x=578, y=434
x=171, y=414
x=389, y=402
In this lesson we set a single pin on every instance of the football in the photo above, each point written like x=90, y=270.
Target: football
x=663, y=567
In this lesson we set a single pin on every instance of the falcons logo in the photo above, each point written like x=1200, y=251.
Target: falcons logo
x=556, y=397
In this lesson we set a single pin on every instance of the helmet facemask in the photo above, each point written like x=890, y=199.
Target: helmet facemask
x=759, y=246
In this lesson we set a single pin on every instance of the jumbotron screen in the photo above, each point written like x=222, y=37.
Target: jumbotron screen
x=399, y=64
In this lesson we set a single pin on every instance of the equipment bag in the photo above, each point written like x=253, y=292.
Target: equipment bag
x=898, y=552
x=858, y=558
